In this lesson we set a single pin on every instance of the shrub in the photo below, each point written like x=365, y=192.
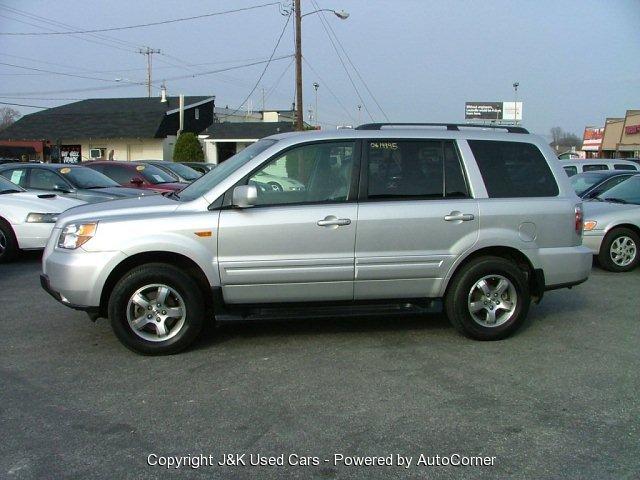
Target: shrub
x=188, y=148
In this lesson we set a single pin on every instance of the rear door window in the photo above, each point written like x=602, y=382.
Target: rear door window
x=120, y=174
x=594, y=167
x=622, y=166
x=418, y=169
x=513, y=169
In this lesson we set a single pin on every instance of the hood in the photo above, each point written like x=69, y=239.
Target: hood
x=118, y=192
x=168, y=187
x=138, y=206
x=603, y=212
x=40, y=202
x=594, y=207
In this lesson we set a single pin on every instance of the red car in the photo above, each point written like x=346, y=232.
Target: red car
x=137, y=175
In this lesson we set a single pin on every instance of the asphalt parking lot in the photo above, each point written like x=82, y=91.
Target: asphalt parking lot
x=559, y=399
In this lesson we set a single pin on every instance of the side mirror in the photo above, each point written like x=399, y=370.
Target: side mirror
x=137, y=181
x=62, y=189
x=245, y=196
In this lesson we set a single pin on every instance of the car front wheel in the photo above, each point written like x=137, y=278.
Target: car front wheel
x=8, y=243
x=488, y=299
x=156, y=309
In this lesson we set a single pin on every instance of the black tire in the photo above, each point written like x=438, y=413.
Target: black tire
x=153, y=274
x=8, y=242
x=604, y=256
x=457, y=298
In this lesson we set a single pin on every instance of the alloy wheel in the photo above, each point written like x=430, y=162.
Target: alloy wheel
x=156, y=312
x=623, y=251
x=492, y=301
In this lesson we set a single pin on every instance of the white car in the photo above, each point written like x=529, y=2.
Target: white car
x=27, y=218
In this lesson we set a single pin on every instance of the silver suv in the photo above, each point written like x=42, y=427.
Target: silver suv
x=386, y=218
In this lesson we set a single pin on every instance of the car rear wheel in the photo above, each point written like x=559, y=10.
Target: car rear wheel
x=8, y=242
x=488, y=299
x=156, y=309
x=619, y=250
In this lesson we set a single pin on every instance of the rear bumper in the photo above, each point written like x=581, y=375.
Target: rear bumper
x=565, y=266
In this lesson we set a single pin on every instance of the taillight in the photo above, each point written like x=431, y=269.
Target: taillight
x=578, y=219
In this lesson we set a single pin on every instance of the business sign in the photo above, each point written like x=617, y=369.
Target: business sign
x=592, y=139
x=70, y=153
x=483, y=111
x=510, y=111
x=632, y=129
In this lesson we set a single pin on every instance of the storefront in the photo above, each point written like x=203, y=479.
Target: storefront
x=629, y=144
x=611, y=137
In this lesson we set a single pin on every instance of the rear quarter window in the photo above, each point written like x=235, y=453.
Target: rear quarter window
x=513, y=169
x=571, y=171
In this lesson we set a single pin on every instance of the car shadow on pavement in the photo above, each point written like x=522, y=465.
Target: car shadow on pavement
x=225, y=331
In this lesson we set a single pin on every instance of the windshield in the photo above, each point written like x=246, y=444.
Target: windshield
x=583, y=182
x=154, y=174
x=8, y=187
x=226, y=168
x=625, y=192
x=82, y=177
x=185, y=172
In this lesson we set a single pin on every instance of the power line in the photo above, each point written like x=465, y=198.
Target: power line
x=89, y=89
x=40, y=98
x=21, y=105
x=74, y=36
x=346, y=54
x=67, y=74
x=322, y=21
x=284, y=29
x=324, y=82
x=151, y=24
x=277, y=82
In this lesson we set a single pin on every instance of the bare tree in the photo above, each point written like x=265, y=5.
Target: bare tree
x=7, y=116
x=561, y=140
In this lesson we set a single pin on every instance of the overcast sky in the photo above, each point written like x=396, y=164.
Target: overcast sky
x=576, y=61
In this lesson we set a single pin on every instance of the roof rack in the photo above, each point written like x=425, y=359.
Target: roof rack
x=450, y=126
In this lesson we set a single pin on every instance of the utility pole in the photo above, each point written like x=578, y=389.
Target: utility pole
x=299, y=111
x=148, y=52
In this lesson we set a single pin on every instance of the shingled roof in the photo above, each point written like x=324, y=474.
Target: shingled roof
x=246, y=130
x=99, y=118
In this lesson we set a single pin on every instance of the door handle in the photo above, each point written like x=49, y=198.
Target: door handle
x=457, y=216
x=332, y=221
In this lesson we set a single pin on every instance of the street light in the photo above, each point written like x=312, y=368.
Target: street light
x=298, y=17
x=515, y=103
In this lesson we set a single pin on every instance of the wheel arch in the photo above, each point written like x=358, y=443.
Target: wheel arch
x=634, y=228
x=175, y=259
x=535, y=277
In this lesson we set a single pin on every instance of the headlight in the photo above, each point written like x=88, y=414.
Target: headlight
x=42, y=217
x=76, y=235
x=589, y=225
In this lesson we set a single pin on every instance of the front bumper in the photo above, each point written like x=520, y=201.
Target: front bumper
x=91, y=311
x=76, y=277
x=593, y=241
